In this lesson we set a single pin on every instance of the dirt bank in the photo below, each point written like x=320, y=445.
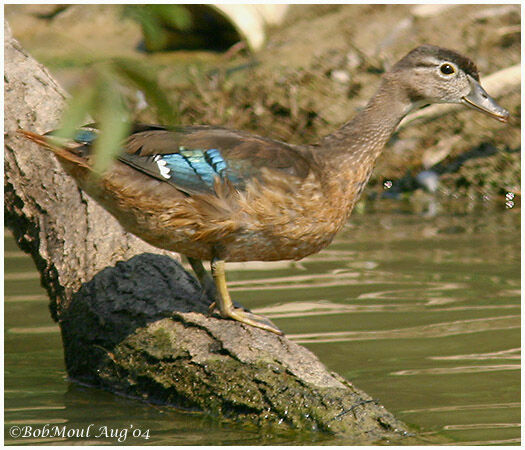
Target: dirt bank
x=317, y=69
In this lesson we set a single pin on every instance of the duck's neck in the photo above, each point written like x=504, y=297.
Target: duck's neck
x=354, y=148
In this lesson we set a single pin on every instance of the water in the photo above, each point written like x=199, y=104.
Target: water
x=421, y=312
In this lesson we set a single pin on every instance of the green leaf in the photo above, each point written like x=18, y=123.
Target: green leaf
x=154, y=18
x=140, y=76
x=78, y=107
x=155, y=37
x=114, y=125
x=177, y=16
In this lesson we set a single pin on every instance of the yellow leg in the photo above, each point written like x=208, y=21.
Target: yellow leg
x=206, y=282
x=224, y=302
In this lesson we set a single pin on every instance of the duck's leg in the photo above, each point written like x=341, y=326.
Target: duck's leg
x=205, y=280
x=225, y=305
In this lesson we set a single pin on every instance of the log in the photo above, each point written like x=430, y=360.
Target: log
x=133, y=321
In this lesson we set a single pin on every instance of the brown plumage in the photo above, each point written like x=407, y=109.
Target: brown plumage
x=216, y=194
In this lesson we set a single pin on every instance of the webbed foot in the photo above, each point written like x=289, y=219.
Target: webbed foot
x=225, y=306
x=246, y=317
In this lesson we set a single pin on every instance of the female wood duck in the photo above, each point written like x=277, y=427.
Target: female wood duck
x=215, y=194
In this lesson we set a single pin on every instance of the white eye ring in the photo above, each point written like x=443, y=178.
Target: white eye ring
x=447, y=69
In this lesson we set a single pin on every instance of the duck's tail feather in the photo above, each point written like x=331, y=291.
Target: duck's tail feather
x=59, y=149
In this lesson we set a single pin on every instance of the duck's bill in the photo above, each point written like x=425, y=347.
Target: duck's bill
x=480, y=100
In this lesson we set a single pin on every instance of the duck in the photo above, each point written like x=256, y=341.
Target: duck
x=221, y=195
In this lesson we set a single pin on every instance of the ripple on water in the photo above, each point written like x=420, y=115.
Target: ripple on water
x=420, y=312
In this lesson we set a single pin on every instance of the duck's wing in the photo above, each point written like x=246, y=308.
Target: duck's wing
x=193, y=158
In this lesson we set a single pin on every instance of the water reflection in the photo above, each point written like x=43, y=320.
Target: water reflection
x=424, y=331
x=482, y=406
x=452, y=370
x=423, y=313
x=512, y=353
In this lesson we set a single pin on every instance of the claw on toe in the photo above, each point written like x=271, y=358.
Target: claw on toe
x=247, y=318
x=251, y=319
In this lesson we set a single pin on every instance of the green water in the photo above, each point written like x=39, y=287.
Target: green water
x=421, y=312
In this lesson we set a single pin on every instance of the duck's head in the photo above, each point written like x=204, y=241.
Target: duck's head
x=430, y=74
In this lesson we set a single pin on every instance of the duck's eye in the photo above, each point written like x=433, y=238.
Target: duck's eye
x=447, y=69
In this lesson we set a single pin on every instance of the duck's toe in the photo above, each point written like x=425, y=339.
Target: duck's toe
x=247, y=318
